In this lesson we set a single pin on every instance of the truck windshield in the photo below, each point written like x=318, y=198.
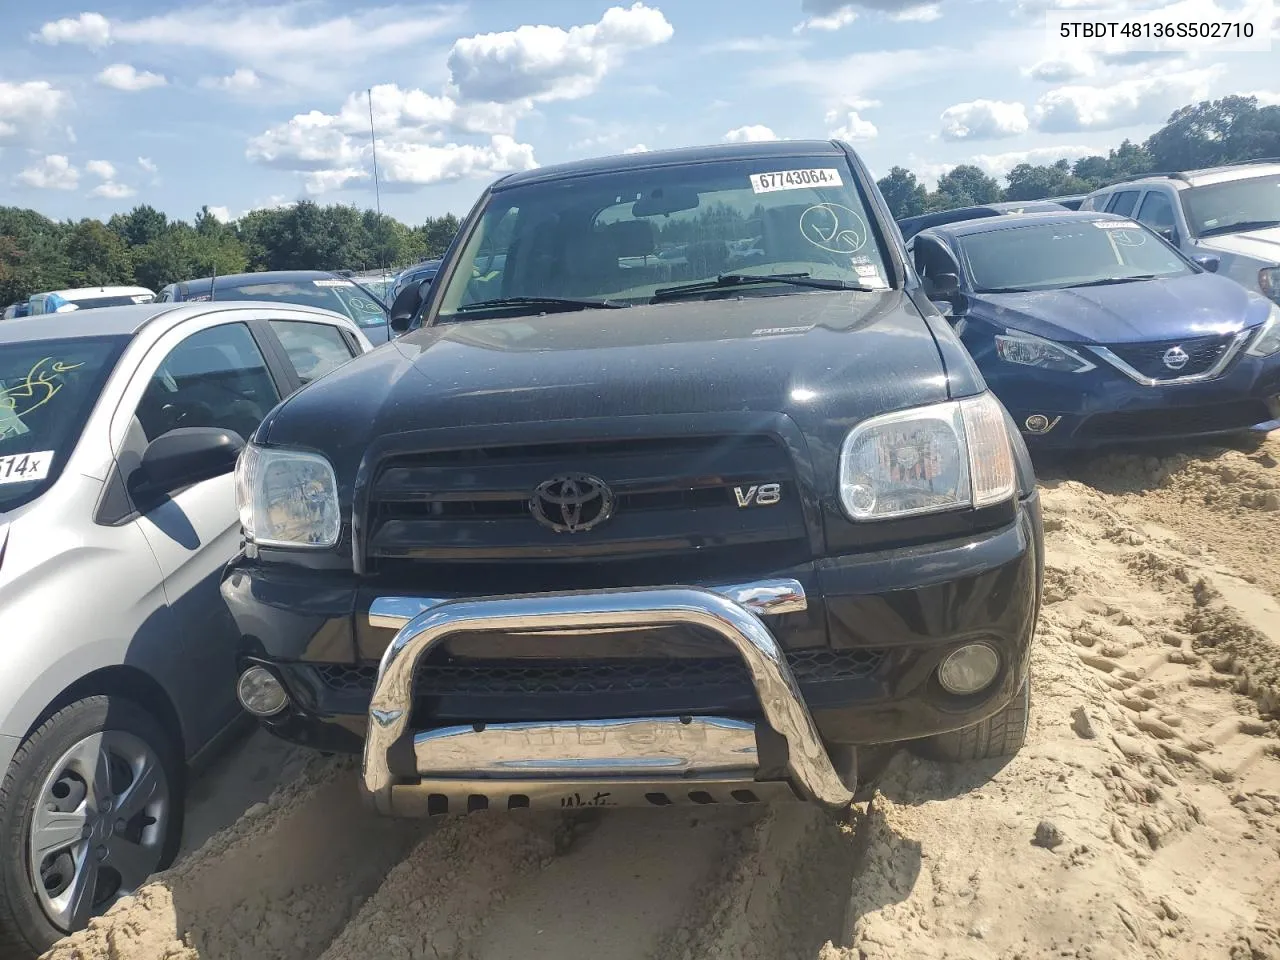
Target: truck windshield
x=1051, y=256
x=621, y=236
x=47, y=388
x=1233, y=206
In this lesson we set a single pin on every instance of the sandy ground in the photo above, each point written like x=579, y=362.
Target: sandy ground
x=1141, y=820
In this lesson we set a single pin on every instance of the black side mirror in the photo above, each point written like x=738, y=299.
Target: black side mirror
x=406, y=304
x=1208, y=261
x=188, y=455
x=943, y=286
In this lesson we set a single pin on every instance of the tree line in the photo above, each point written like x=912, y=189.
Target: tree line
x=1205, y=134
x=144, y=246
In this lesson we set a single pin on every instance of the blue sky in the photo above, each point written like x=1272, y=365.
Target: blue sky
x=245, y=105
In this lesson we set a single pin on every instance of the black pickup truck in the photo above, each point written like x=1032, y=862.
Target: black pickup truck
x=676, y=489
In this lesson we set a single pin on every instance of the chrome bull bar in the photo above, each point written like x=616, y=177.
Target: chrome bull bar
x=576, y=763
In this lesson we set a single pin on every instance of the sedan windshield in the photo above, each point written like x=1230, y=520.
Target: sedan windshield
x=621, y=237
x=1051, y=256
x=47, y=389
x=1233, y=206
x=341, y=296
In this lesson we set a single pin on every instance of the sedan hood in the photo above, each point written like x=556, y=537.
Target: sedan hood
x=1194, y=305
x=818, y=357
x=1260, y=245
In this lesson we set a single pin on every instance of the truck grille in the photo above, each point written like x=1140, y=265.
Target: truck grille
x=669, y=496
x=1149, y=358
x=604, y=676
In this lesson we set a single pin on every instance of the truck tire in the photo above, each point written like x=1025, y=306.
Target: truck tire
x=100, y=747
x=1000, y=735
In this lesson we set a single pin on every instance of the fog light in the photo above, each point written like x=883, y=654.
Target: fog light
x=1039, y=423
x=969, y=669
x=261, y=693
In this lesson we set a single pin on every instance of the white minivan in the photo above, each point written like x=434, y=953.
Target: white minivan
x=87, y=298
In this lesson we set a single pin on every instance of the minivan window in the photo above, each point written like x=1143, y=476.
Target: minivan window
x=622, y=235
x=47, y=390
x=1052, y=256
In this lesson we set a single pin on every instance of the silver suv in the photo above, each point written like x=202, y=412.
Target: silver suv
x=1230, y=214
x=119, y=429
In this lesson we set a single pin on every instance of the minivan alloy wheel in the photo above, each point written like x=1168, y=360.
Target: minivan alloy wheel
x=98, y=827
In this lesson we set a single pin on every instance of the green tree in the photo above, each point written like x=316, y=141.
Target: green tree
x=905, y=195
x=1030, y=182
x=964, y=186
x=1216, y=132
x=97, y=255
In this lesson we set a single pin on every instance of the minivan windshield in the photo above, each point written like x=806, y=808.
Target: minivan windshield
x=1052, y=256
x=621, y=236
x=47, y=389
x=1233, y=206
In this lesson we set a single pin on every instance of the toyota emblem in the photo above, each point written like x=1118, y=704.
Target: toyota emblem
x=1175, y=358
x=572, y=503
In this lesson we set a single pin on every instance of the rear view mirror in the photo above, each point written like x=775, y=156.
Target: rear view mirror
x=665, y=200
x=406, y=305
x=188, y=455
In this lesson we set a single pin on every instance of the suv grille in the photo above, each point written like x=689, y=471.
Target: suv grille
x=1149, y=358
x=671, y=497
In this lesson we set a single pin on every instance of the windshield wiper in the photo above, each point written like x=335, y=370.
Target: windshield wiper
x=1005, y=290
x=1242, y=226
x=1106, y=281
x=558, y=303
x=726, y=280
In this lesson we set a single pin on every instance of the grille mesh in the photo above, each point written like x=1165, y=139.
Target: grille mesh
x=1148, y=358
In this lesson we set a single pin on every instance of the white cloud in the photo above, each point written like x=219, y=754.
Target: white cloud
x=242, y=81
x=1266, y=98
x=750, y=134
x=549, y=63
x=925, y=14
x=638, y=148
x=765, y=44
x=852, y=129
x=984, y=120
x=89, y=29
x=999, y=164
x=112, y=191
x=1064, y=70
x=1125, y=103
x=28, y=104
x=54, y=172
x=148, y=165
x=837, y=14
x=837, y=19
x=221, y=214
x=101, y=169
x=333, y=150
x=123, y=76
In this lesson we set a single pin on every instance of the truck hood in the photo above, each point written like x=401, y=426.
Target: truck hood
x=823, y=358
x=1193, y=305
x=1260, y=245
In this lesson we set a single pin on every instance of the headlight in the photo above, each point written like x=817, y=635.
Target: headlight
x=287, y=498
x=941, y=457
x=1267, y=341
x=1017, y=347
x=1269, y=282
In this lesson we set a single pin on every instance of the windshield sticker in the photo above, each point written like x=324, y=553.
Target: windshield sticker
x=1112, y=224
x=859, y=260
x=774, y=331
x=795, y=180
x=834, y=228
x=25, y=467
x=866, y=270
x=333, y=283
x=35, y=390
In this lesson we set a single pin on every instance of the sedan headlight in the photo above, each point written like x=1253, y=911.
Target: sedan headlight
x=287, y=498
x=1267, y=340
x=1269, y=283
x=929, y=459
x=1017, y=347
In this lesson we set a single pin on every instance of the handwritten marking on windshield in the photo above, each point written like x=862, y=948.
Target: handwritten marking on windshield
x=25, y=467
x=37, y=387
x=834, y=227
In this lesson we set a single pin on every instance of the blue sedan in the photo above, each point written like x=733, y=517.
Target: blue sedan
x=1092, y=329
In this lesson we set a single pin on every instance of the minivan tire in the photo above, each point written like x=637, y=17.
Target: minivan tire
x=25, y=929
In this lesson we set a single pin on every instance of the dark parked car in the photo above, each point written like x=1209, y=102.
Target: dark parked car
x=910, y=226
x=313, y=288
x=1091, y=328
x=611, y=529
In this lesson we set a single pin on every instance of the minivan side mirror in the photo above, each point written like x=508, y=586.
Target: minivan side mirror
x=406, y=305
x=1169, y=233
x=188, y=455
x=1208, y=261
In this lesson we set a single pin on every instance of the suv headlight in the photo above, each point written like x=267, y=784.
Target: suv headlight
x=1267, y=340
x=1269, y=283
x=926, y=460
x=1017, y=347
x=287, y=498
